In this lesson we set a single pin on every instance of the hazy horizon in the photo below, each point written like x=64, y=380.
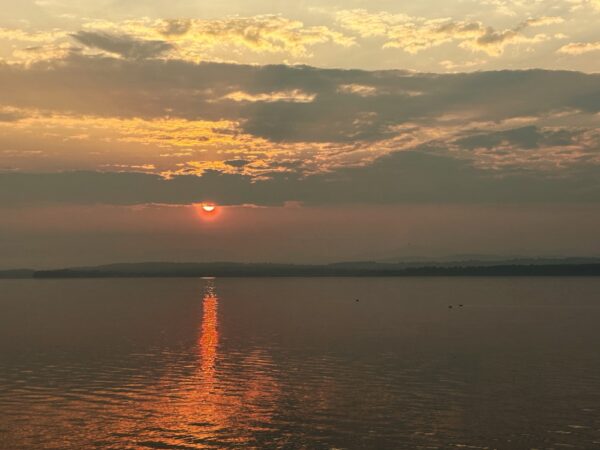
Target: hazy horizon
x=413, y=261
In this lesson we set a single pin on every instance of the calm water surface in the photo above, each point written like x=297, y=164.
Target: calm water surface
x=299, y=363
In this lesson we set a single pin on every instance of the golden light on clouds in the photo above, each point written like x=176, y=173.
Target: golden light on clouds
x=416, y=34
x=383, y=36
x=294, y=96
x=172, y=146
x=579, y=48
x=232, y=100
x=192, y=39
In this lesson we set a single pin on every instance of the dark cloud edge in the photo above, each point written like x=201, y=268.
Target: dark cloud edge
x=152, y=88
x=402, y=177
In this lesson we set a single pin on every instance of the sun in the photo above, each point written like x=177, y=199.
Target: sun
x=208, y=211
x=209, y=207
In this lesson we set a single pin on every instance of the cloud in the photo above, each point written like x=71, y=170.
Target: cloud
x=358, y=89
x=175, y=27
x=237, y=162
x=493, y=42
x=454, y=66
x=579, y=48
x=402, y=177
x=527, y=137
x=543, y=21
x=328, y=37
x=8, y=114
x=578, y=4
x=186, y=118
x=415, y=34
x=294, y=96
x=17, y=34
x=123, y=45
x=194, y=39
x=546, y=150
x=229, y=38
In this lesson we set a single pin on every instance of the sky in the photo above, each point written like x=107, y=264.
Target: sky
x=323, y=130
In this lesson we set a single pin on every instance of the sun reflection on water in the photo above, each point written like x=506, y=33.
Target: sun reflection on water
x=232, y=392
x=209, y=335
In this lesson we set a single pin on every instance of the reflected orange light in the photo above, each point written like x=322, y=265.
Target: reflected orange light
x=209, y=338
x=206, y=402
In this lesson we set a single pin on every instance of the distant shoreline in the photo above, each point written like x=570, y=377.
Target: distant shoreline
x=189, y=270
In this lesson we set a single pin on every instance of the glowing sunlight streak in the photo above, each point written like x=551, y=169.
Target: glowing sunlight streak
x=209, y=336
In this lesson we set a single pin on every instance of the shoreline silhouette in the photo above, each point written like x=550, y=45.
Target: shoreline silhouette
x=358, y=269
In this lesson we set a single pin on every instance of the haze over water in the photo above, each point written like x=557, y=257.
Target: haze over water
x=299, y=363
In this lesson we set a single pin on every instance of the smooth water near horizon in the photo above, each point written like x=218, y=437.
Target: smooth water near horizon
x=298, y=363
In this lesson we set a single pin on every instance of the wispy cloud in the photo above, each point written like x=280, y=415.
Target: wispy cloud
x=122, y=45
x=294, y=96
x=193, y=38
x=416, y=34
x=183, y=39
x=579, y=48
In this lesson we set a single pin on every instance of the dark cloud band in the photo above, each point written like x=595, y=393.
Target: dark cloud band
x=404, y=177
x=338, y=109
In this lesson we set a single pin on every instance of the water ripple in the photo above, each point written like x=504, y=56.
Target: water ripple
x=237, y=378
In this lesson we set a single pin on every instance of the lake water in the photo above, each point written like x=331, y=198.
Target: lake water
x=299, y=363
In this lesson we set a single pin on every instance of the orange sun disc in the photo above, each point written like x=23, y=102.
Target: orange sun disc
x=208, y=207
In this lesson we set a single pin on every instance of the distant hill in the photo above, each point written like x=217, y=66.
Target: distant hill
x=568, y=267
x=16, y=273
x=515, y=267
x=486, y=260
